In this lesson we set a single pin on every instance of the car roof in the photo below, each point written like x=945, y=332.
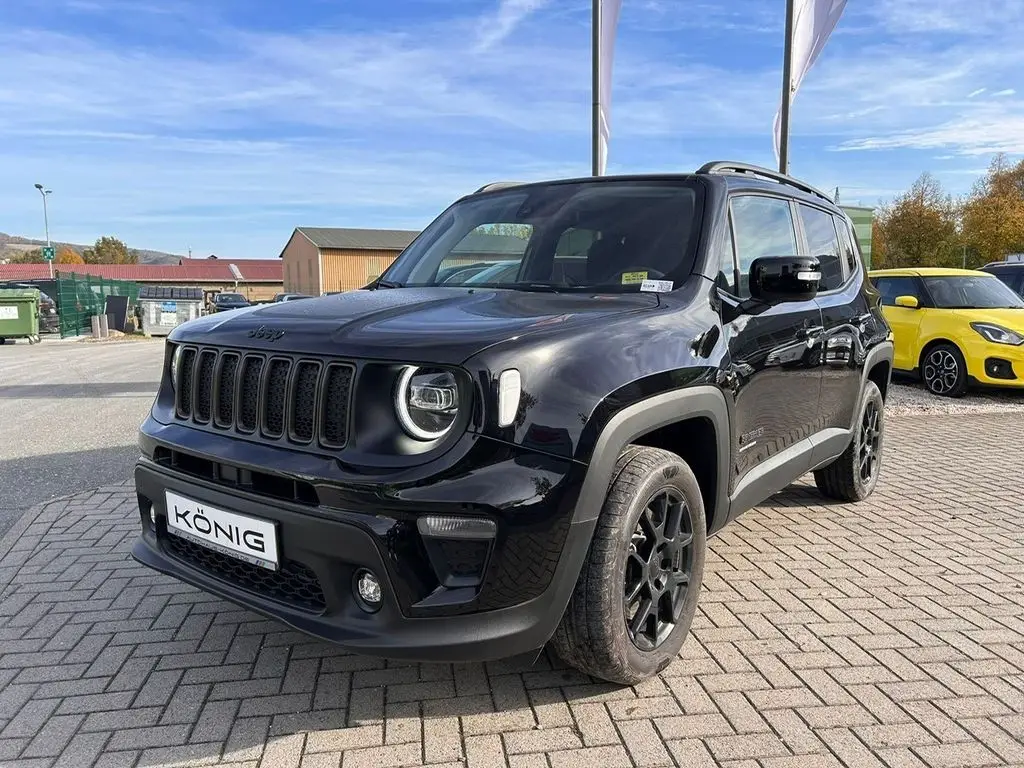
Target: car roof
x=927, y=272
x=733, y=175
x=1004, y=265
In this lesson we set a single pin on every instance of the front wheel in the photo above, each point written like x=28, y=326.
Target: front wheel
x=853, y=476
x=944, y=371
x=637, y=591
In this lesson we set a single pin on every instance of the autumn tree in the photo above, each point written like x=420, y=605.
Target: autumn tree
x=110, y=250
x=67, y=255
x=993, y=218
x=918, y=228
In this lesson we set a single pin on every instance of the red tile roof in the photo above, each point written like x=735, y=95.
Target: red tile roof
x=196, y=270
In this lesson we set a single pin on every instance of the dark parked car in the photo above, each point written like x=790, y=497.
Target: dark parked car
x=466, y=472
x=291, y=296
x=1010, y=272
x=226, y=301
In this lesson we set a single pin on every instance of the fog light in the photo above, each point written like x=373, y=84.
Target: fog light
x=369, y=591
x=152, y=516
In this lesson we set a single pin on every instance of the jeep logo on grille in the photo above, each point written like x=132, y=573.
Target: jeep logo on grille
x=270, y=334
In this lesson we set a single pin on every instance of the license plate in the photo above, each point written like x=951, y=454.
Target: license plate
x=240, y=536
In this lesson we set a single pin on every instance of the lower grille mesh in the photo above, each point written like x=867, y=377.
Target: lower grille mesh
x=294, y=584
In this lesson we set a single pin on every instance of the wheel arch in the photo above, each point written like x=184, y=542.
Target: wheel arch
x=662, y=421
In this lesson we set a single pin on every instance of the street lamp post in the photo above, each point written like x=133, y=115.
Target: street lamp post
x=46, y=222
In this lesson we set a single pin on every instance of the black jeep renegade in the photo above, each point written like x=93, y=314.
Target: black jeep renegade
x=527, y=428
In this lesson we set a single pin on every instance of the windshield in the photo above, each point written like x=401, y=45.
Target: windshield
x=231, y=297
x=603, y=235
x=971, y=292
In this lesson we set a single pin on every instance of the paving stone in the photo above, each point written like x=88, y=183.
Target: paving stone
x=887, y=633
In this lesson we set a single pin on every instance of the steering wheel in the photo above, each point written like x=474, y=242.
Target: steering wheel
x=652, y=274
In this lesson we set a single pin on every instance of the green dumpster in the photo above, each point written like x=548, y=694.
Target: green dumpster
x=19, y=314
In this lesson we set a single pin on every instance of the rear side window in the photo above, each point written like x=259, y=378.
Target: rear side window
x=846, y=244
x=763, y=227
x=823, y=242
x=891, y=287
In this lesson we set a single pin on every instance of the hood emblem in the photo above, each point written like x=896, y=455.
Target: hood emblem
x=270, y=334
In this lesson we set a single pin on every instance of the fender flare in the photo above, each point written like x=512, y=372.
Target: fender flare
x=883, y=352
x=645, y=416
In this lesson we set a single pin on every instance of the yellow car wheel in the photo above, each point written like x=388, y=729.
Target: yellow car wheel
x=944, y=370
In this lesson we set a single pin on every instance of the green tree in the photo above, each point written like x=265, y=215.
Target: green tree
x=34, y=256
x=918, y=229
x=110, y=250
x=993, y=217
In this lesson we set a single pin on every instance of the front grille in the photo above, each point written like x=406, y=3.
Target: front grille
x=276, y=397
x=294, y=583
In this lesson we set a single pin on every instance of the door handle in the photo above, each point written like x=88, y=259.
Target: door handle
x=809, y=331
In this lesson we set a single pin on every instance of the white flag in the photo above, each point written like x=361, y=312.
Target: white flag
x=813, y=22
x=609, y=23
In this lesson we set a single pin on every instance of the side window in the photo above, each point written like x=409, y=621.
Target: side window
x=891, y=287
x=823, y=242
x=846, y=243
x=763, y=227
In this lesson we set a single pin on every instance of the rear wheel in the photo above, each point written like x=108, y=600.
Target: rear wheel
x=637, y=592
x=944, y=370
x=853, y=476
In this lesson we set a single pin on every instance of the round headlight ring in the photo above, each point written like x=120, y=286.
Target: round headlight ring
x=404, y=410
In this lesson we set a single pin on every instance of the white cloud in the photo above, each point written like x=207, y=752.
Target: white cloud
x=510, y=13
x=1006, y=92
x=976, y=92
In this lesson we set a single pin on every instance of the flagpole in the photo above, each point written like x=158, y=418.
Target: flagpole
x=595, y=43
x=787, y=91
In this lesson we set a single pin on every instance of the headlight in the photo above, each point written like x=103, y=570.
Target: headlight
x=427, y=402
x=175, y=359
x=997, y=334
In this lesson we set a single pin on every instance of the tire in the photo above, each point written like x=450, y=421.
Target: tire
x=853, y=476
x=944, y=370
x=593, y=635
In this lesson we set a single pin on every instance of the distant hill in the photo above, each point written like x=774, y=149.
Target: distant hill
x=12, y=245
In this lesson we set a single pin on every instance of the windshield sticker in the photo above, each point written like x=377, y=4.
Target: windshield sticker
x=632, y=278
x=656, y=286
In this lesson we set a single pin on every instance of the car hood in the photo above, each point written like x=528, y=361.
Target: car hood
x=1011, y=319
x=444, y=325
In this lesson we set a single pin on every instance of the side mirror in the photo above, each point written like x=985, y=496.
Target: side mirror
x=910, y=302
x=778, y=279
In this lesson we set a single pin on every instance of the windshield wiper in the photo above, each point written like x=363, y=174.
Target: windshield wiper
x=388, y=284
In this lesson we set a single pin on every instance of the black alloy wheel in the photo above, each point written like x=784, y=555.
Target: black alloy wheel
x=657, y=570
x=636, y=594
x=870, y=443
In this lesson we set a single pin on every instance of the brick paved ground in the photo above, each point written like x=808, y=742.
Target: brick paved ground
x=889, y=633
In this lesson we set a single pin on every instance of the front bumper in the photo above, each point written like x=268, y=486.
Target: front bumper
x=322, y=548
x=995, y=365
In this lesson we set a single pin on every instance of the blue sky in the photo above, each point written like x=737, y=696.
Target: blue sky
x=223, y=124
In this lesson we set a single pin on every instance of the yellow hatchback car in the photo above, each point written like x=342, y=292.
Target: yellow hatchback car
x=953, y=327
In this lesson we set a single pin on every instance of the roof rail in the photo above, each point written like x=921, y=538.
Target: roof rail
x=727, y=166
x=498, y=185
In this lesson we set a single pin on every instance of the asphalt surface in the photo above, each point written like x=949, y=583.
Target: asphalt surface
x=69, y=416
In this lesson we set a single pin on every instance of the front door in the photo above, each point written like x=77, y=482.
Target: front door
x=774, y=369
x=904, y=321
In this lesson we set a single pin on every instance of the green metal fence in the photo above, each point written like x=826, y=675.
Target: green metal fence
x=82, y=296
